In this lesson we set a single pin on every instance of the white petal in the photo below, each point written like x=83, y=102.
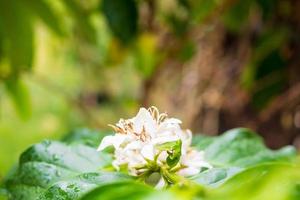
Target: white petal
x=162, y=157
x=186, y=137
x=164, y=139
x=173, y=121
x=161, y=183
x=198, y=164
x=168, y=127
x=195, y=159
x=134, y=145
x=144, y=120
x=205, y=164
x=106, y=141
x=148, y=151
x=118, y=139
x=134, y=159
x=189, y=171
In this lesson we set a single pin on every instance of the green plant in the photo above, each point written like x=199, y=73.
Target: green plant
x=72, y=169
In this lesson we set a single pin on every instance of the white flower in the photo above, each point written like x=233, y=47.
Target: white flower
x=194, y=161
x=136, y=142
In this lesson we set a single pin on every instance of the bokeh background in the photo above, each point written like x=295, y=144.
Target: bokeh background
x=215, y=64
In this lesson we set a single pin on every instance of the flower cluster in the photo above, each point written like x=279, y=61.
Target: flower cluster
x=152, y=139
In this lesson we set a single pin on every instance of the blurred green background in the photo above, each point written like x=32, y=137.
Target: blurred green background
x=216, y=64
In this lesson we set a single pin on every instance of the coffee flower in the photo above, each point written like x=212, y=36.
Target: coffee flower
x=150, y=142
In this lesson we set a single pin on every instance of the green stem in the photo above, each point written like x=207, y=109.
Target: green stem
x=173, y=179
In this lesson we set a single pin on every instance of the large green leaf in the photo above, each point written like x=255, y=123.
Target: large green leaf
x=267, y=181
x=85, y=136
x=76, y=187
x=235, y=151
x=124, y=191
x=241, y=147
x=134, y=191
x=216, y=176
x=55, y=170
x=73, y=169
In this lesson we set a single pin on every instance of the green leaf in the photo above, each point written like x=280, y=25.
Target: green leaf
x=124, y=191
x=169, y=146
x=237, y=16
x=174, y=151
x=78, y=186
x=1, y=43
x=145, y=54
x=267, y=7
x=16, y=24
x=270, y=40
x=243, y=148
x=73, y=170
x=267, y=44
x=82, y=19
x=43, y=11
x=201, y=9
x=131, y=191
x=122, y=18
x=268, y=181
x=216, y=176
x=3, y=193
x=188, y=51
x=235, y=151
x=85, y=136
x=202, y=141
x=55, y=170
x=20, y=96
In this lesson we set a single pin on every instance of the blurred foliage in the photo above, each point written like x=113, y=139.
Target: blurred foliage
x=72, y=63
x=18, y=31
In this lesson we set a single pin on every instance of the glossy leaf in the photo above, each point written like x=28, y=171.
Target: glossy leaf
x=126, y=191
x=216, y=176
x=235, y=151
x=54, y=170
x=78, y=186
x=131, y=191
x=84, y=136
x=242, y=148
x=268, y=181
x=73, y=169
